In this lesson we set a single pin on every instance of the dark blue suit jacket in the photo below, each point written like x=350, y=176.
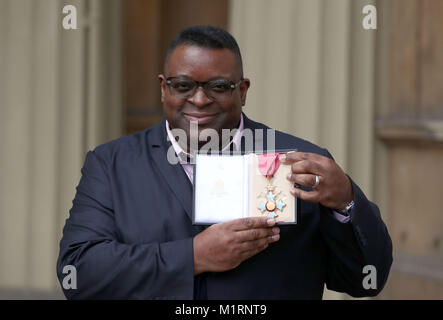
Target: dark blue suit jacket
x=129, y=234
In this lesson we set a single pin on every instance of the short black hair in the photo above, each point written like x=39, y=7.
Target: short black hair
x=205, y=37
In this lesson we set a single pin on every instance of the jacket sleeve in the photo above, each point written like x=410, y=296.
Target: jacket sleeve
x=109, y=269
x=363, y=241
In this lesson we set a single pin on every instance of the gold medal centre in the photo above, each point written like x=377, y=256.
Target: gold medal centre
x=270, y=205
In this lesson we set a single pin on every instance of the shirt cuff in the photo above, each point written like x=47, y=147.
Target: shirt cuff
x=341, y=218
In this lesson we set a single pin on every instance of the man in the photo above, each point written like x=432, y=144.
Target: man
x=130, y=234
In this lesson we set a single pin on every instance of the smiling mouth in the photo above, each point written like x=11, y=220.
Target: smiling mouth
x=200, y=118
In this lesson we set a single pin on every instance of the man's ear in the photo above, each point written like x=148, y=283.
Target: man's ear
x=162, y=80
x=244, y=86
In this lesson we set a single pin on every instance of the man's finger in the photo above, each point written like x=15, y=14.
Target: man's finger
x=254, y=234
x=311, y=196
x=295, y=156
x=260, y=244
x=307, y=180
x=306, y=166
x=251, y=223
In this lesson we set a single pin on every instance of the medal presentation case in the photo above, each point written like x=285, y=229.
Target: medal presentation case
x=228, y=187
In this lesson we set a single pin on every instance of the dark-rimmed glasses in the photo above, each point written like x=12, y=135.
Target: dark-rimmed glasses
x=217, y=90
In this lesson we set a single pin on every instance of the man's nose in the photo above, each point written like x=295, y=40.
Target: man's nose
x=200, y=99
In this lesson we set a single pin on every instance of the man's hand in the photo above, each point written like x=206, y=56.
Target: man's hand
x=224, y=246
x=334, y=189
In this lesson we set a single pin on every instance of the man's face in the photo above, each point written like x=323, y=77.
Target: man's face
x=203, y=64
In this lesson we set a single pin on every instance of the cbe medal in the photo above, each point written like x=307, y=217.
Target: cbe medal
x=268, y=165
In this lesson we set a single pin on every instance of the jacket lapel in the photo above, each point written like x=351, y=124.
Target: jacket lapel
x=174, y=175
x=259, y=140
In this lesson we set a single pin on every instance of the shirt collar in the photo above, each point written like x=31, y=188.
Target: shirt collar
x=184, y=156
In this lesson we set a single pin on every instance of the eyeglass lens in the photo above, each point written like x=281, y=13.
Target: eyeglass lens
x=217, y=90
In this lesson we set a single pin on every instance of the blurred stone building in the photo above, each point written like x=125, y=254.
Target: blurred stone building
x=374, y=98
